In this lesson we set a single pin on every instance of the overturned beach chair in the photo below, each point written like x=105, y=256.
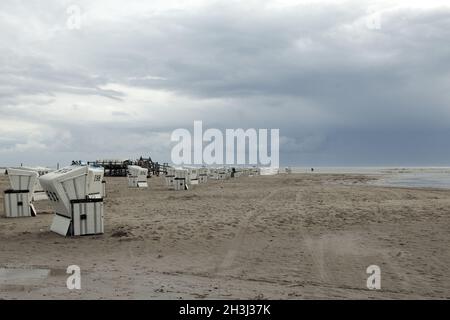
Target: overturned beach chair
x=75, y=193
x=137, y=177
x=18, y=199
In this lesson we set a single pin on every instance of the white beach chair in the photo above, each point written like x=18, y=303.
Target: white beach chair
x=76, y=194
x=18, y=199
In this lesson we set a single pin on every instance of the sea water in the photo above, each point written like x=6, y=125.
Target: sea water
x=416, y=177
x=417, y=180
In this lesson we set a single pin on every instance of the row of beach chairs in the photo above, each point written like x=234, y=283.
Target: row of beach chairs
x=76, y=192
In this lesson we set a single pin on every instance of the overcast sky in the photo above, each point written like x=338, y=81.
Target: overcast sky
x=346, y=82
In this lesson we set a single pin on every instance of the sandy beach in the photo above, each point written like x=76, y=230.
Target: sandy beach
x=299, y=236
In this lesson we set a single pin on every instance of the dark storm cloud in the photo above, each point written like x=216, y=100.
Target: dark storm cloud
x=333, y=85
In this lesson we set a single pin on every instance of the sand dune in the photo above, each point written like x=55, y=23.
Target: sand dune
x=297, y=236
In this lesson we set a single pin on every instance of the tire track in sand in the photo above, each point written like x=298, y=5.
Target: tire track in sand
x=234, y=248
x=316, y=250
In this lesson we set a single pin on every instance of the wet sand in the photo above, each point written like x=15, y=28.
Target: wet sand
x=299, y=236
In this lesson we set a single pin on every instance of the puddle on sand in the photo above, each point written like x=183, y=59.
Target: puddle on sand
x=22, y=276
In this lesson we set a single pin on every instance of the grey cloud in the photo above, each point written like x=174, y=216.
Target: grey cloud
x=314, y=71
